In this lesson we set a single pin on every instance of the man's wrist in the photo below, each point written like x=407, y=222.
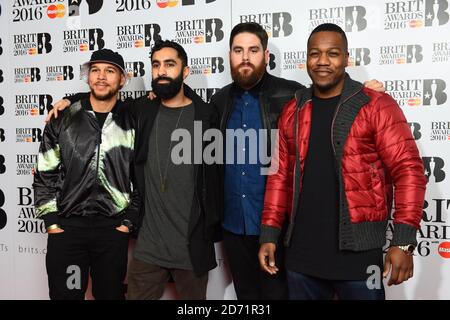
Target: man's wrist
x=407, y=249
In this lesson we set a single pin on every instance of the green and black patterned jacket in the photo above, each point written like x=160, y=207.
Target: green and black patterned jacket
x=86, y=171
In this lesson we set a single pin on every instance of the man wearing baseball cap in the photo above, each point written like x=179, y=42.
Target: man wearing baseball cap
x=83, y=188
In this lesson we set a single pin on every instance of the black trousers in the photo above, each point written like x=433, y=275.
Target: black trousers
x=77, y=252
x=250, y=282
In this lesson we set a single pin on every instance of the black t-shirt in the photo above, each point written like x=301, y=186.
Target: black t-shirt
x=101, y=117
x=314, y=248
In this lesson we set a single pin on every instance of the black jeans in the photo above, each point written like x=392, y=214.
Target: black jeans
x=250, y=282
x=77, y=252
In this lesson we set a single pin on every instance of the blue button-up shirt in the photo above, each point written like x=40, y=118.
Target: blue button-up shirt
x=244, y=184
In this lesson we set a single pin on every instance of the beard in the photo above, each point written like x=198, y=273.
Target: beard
x=248, y=79
x=167, y=90
x=105, y=96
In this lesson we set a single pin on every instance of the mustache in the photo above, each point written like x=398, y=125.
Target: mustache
x=247, y=64
x=163, y=78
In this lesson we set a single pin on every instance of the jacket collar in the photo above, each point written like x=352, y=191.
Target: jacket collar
x=86, y=105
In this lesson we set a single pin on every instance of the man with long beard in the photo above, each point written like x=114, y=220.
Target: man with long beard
x=179, y=201
x=252, y=102
x=83, y=190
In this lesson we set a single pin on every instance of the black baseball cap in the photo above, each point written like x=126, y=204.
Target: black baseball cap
x=106, y=56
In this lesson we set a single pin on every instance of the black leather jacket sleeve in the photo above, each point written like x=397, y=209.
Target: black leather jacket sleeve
x=47, y=174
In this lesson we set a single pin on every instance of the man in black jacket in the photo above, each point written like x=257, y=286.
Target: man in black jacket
x=252, y=102
x=83, y=190
x=179, y=198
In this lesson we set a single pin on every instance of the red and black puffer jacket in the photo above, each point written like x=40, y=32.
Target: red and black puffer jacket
x=375, y=154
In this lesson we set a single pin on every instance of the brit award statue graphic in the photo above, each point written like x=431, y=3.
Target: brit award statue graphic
x=435, y=21
x=44, y=104
x=413, y=54
x=152, y=36
x=354, y=18
x=433, y=99
x=281, y=30
x=431, y=173
x=411, y=125
x=84, y=9
x=213, y=31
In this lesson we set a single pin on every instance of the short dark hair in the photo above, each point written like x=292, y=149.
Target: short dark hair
x=333, y=28
x=160, y=44
x=250, y=27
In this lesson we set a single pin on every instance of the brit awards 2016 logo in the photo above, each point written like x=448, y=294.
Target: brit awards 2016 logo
x=206, y=65
x=59, y=73
x=35, y=10
x=358, y=57
x=173, y=3
x=26, y=164
x=26, y=218
x=137, y=35
x=417, y=92
x=28, y=135
x=440, y=131
x=32, y=104
x=83, y=40
x=276, y=24
x=206, y=93
x=441, y=52
x=434, y=231
x=434, y=169
x=415, y=130
x=293, y=60
x=198, y=31
x=415, y=14
x=400, y=54
x=351, y=19
x=27, y=75
x=31, y=44
x=135, y=69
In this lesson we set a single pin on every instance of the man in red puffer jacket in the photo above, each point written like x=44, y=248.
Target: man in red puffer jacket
x=343, y=152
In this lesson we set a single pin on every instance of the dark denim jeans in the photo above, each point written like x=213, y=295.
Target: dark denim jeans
x=303, y=287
